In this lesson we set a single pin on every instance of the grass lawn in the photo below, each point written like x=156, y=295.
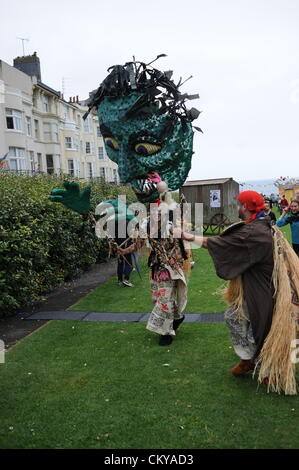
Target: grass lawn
x=102, y=385
x=109, y=385
x=203, y=289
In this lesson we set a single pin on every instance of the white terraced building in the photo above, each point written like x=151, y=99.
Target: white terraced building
x=42, y=132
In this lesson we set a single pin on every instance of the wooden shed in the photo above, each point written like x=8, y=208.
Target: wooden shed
x=219, y=198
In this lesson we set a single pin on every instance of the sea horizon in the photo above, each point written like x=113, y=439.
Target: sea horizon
x=265, y=186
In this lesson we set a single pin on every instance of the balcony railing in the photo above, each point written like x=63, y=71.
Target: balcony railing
x=31, y=172
x=56, y=173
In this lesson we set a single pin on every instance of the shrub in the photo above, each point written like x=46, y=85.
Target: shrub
x=42, y=243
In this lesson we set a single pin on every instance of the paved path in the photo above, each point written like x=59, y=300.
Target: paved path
x=118, y=317
x=71, y=292
x=55, y=305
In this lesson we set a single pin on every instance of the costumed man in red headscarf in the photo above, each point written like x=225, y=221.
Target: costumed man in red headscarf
x=262, y=293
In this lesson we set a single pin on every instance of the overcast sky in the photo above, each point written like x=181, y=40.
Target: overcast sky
x=243, y=55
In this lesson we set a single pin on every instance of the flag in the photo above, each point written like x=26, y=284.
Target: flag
x=3, y=160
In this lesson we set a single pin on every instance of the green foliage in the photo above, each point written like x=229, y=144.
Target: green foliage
x=42, y=243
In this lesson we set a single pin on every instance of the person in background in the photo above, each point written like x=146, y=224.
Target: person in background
x=283, y=204
x=125, y=252
x=291, y=216
x=268, y=211
x=124, y=248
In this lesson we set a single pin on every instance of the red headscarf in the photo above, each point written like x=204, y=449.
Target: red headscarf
x=254, y=202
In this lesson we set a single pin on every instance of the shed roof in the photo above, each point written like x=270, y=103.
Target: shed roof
x=204, y=182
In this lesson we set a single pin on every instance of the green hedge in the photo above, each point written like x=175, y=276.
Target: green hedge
x=42, y=243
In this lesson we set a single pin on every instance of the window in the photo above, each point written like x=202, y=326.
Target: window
x=50, y=164
x=74, y=168
x=103, y=172
x=65, y=112
x=55, y=132
x=90, y=170
x=14, y=119
x=77, y=168
x=70, y=164
x=50, y=132
x=28, y=125
x=47, y=132
x=31, y=160
x=68, y=143
x=88, y=147
x=71, y=143
x=98, y=132
x=46, y=104
x=36, y=129
x=101, y=153
x=16, y=158
x=34, y=99
x=39, y=162
x=87, y=125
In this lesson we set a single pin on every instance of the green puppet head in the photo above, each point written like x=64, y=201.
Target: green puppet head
x=146, y=128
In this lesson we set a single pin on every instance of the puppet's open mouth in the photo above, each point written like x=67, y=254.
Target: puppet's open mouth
x=147, y=186
x=144, y=187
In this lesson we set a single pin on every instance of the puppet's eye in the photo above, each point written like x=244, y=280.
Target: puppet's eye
x=145, y=148
x=111, y=142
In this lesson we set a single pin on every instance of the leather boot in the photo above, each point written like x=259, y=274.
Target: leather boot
x=165, y=340
x=243, y=367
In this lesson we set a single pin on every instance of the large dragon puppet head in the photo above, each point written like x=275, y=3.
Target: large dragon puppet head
x=146, y=127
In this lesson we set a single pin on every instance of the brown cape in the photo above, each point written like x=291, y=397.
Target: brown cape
x=247, y=250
